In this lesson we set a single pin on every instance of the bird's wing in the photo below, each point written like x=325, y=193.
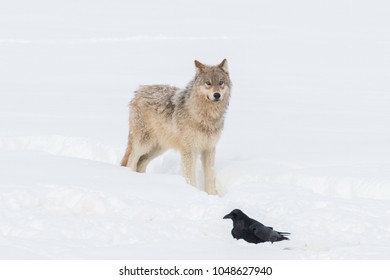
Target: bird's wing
x=261, y=231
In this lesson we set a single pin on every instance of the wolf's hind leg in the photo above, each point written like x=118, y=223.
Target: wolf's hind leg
x=126, y=156
x=146, y=158
x=136, y=152
x=188, y=163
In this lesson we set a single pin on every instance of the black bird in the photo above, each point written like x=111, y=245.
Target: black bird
x=251, y=230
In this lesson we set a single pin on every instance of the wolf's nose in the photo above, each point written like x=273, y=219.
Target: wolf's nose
x=217, y=95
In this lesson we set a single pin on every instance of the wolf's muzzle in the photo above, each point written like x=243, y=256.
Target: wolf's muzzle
x=216, y=96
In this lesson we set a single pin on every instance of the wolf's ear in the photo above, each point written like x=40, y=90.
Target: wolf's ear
x=199, y=66
x=224, y=66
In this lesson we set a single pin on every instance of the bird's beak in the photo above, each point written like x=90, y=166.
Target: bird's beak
x=228, y=216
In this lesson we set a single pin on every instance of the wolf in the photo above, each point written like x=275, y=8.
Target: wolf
x=189, y=120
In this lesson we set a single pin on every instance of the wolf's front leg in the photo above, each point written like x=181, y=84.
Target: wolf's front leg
x=188, y=162
x=207, y=158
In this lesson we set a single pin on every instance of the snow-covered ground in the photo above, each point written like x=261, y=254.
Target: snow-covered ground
x=306, y=146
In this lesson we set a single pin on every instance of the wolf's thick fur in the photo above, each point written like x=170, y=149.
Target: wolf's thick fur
x=189, y=120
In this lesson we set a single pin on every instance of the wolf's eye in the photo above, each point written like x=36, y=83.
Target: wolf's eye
x=208, y=83
x=221, y=83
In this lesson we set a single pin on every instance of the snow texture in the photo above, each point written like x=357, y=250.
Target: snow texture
x=305, y=149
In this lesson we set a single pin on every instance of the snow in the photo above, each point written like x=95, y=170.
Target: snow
x=305, y=147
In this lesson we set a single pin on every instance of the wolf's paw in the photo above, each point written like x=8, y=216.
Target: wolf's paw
x=215, y=191
x=212, y=192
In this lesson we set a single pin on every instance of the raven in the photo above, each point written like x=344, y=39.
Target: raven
x=251, y=230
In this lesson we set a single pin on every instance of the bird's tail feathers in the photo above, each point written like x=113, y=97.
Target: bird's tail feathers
x=279, y=236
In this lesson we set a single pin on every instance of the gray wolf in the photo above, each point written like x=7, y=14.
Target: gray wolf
x=251, y=230
x=189, y=120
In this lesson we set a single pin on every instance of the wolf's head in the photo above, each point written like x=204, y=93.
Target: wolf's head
x=213, y=82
